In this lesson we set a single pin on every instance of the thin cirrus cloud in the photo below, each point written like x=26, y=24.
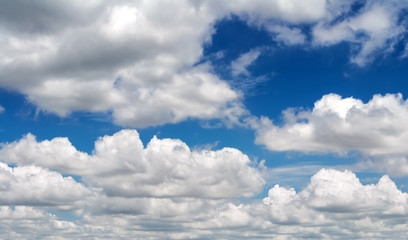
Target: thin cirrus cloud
x=240, y=65
x=130, y=59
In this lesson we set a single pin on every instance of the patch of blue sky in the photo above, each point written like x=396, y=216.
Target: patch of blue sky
x=21, y=117
x=63, y=215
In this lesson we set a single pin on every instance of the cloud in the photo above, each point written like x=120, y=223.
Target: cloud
x=292, y=11
x=334, y=205
x=371, y=30
x=286, y=35
x=122, y=166
x=393, y=164
x=133, y=60
x=193, y=94
x=240, y=65
x=375, y=129
x=165, y=188
x=340, y=125
x=342, y=192
x=22, y=222
x=374, y=29
x=35, y=186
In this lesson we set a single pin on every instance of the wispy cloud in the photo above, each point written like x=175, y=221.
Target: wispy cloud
x=240, y=65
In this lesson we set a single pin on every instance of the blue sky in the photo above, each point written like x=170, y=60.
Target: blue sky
x=192, y=119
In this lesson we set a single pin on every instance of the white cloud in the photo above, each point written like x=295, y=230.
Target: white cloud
x=196, y=93
x=121, y=166
x=35, y=186
x=134, y=59
x=169, y=168
x=375, y=129
x=342, y=192
x=240, y=65
x=55, y=154
x=393, y=164
x=22, y=222
x=289, y=36
x=334, y=204
x=340, y=125
x=371, y=30
x=290, y=11
x=138, y=61
x=375, y=28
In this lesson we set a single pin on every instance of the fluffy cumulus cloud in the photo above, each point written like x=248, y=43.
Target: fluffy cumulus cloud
x=337, y=124
x=123, y=167
x=376, y=129
x=142, y=63
x=33, y=186
x=334, y=205
x=166, y=190
x=131, y=58
x=138, y=60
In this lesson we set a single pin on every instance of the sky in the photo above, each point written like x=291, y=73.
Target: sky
x=159, y=119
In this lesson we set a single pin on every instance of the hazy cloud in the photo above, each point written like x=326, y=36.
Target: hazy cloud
x=240, y=65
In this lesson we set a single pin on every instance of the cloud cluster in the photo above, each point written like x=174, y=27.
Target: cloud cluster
x=371, y=27
x=122, y=166
x=22, y=222
x=376, y=129
x=142, y=63
x=35, y=186
x=375, y=29
x=240, y=65
x=337, y=124
x=134, y=59
x=137, y=61
x=334, y=205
